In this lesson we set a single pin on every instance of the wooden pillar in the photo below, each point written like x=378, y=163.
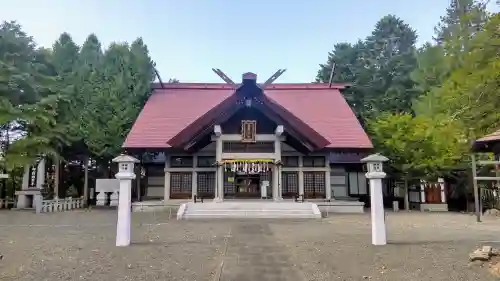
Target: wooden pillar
x=166, y=191
x=276, y=188
x=138, y=178
x=277, y=170
x=422, y=191
x=219, y=177
x=86, y=181
x=194, y=180
x=328, y=187
x=219, y=172
x=301, y=175
x=477, y=203
x=442, y=191
x=57, y=171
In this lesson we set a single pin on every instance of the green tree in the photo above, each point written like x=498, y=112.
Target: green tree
x=462, y=20
x=120, y=87
x=378, y=68
x=418, y=147
x=28, y=96
x=65, y=58
x=470, y=95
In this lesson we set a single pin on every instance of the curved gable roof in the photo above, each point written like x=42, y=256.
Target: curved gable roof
x=169, y=111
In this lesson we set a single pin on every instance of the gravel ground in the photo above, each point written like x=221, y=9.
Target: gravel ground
x=79, y=245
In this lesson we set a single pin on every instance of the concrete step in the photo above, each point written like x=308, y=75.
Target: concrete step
x=188, y=211
x=249, y=210
x=250, y=206
x=249, y=216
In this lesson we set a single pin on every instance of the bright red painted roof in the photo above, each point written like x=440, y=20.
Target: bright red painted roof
x=170, y=110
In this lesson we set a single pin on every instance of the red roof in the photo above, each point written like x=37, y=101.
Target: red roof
x=168, y=111
x=488, y=143
x=495, y=136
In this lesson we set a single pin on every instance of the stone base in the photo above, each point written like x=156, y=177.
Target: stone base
x=26, y=198
x=428, y=207
x=341, y=206
x=157, y=205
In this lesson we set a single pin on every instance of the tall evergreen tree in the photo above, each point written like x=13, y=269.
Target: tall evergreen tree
x=65, y=54
x=28, y=95
x=463, y=19
x=378, y=68
x=119, y=88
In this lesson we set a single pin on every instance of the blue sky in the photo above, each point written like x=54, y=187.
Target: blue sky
x=187, y=38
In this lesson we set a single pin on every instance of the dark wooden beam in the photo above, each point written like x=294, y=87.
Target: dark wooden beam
x=223, y=76
x=159, y=77
x=273, y=78
x=332, y=73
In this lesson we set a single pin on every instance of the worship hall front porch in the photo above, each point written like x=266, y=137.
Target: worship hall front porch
x=243, y=176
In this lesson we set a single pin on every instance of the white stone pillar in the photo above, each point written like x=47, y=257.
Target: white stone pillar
x=166, y=191
x=40, y=174
x=375, y=174
x=422, y=191
x=443, y=194
x=194, y=179
x=328, y=186
x=26, y=177
x=301, y=175
x=277, y=170
x=125, y=175
x=219, y=177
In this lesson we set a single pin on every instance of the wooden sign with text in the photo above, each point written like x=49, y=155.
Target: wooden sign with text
x=248, y=130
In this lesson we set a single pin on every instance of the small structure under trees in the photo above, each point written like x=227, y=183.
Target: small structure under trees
x=487, y=144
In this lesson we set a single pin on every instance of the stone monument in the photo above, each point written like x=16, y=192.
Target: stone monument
x=375, y=174
x=125, y=175
x=33, y=181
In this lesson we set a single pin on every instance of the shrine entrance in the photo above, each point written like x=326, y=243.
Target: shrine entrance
x=248, y=178
x=247, y=185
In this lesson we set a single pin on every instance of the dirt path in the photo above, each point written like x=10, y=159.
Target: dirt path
x=81, y=246
x=253, y=254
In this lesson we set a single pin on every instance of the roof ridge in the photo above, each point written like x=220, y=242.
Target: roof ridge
x=224, y=86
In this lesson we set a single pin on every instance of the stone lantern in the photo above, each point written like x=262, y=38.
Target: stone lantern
x=125, y=175
x=3, y=175
x=375, y=174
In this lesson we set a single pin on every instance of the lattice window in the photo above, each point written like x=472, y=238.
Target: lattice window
x=319, y=182
x=314, y=184
x=308, y=182
x=181, y=182
x=206, y=182
x=290, y=183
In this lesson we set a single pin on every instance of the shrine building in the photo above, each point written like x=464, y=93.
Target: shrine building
x=248, y=140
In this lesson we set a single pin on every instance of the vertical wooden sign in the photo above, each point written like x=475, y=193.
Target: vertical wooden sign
x=32, y=176
x=248, y=130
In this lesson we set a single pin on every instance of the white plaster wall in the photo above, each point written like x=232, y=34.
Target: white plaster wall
x=155, y=191
x=338, y=182
x=155, y=187
x=107, y=185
